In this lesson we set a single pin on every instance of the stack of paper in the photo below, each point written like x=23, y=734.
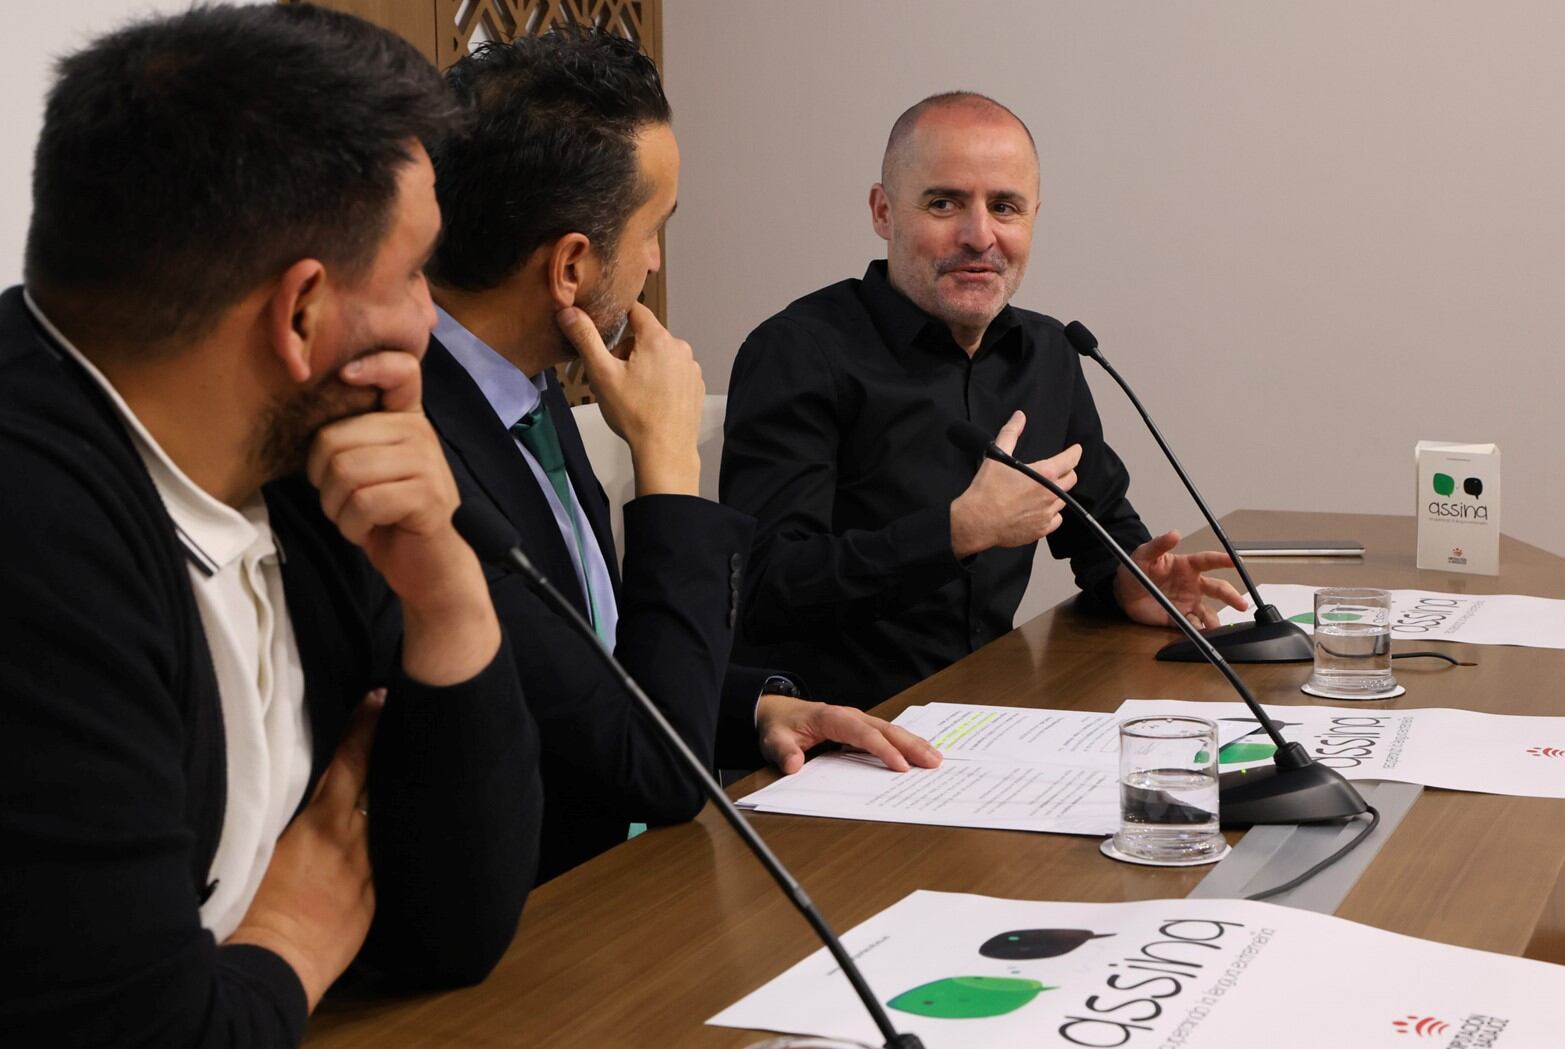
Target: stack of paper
x=1008, y=768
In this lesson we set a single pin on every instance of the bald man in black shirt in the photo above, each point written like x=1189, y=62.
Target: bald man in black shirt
x=880, y=556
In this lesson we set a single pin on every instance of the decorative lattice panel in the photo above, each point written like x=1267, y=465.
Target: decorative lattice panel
x=464, y=24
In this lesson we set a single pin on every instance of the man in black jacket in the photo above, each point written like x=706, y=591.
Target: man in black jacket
x=882, y=552
x=256, y=724
x=553, y=199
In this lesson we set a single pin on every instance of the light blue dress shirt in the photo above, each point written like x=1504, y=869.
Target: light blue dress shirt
x=512, y=395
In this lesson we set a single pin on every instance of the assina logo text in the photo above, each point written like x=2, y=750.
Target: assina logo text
x=1137, y=992
x=1445, y=485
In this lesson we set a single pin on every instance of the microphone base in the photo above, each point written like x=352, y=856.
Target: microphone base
x=1262, y=642
x=1310, y=793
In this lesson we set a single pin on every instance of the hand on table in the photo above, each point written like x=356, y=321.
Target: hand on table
x=1179, y=576
x=788, y=727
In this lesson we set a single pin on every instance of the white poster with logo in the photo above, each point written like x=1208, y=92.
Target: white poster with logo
x=975, y=972
x=1427, y=615
x=1434, y=747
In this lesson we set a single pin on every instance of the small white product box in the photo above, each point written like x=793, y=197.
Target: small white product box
x=1458, y=507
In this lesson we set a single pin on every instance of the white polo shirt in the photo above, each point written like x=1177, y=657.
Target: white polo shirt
x=233, y=561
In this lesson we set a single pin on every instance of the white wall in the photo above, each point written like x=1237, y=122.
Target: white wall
x=1309, y=234
x=37, y=34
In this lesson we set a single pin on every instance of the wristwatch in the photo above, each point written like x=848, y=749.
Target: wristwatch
x=780, y=685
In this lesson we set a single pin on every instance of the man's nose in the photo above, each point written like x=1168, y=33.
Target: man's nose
x=427, y=305
x=977, y=231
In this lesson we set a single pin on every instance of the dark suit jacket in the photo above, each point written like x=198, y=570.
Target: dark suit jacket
x=112, y=760
x=603, y=764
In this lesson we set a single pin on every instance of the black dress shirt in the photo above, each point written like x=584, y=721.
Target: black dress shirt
x=835, y=441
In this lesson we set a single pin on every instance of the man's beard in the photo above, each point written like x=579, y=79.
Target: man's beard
x=289, y=427
x=606, y=316
x=612, y=333
x=958, y=308
x=962, y=259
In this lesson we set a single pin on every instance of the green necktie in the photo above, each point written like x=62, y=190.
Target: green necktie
x=537, y=433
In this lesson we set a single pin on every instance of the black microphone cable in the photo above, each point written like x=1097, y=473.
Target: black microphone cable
x=1430, y=655
x=493, y=540
x=1294, y=883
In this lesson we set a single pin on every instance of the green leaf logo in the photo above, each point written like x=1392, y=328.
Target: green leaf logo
x=1445, y=484
x=1242, y=751
x=968, y=997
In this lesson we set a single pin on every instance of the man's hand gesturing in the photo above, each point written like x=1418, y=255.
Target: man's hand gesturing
x=1180, y=578
x=1002, y=507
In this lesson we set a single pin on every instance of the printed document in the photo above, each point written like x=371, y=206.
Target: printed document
x=1009, y=768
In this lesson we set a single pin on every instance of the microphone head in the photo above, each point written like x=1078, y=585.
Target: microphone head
x=969, y=437
x=1081, y=339
x=489, y=534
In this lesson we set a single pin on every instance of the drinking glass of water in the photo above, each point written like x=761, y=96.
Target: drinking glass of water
x=1352, y=642
x=1168, y=791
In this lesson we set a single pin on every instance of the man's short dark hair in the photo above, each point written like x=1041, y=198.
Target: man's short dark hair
x=185, y=160
x=548, y=148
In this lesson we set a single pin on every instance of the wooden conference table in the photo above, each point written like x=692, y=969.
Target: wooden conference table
x=640, y=946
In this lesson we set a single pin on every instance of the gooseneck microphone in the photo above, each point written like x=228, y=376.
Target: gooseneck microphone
x=493, y=540
x=1271, y=638
x=1295, y=788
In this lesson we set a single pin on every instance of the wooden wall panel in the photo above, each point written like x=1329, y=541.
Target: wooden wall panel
x=414, y=20
x=505, y=20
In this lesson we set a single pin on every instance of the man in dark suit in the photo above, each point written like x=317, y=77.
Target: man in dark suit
x=553, y=199
x=259, y=718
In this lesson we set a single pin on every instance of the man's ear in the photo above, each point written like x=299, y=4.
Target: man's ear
x=570, y=268
x=296, y=314
x=880, y=210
